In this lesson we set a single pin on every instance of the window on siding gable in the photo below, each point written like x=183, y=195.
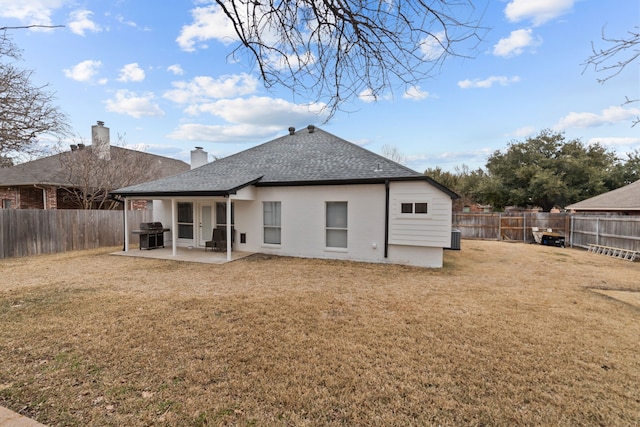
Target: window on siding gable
x=414, y=208
x=336, y=224
x=272, y=212
x=421, y=208
x=406, y=208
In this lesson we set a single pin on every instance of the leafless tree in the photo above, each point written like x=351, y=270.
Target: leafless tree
x=91, y=176
x=392, y=153
x=334, y=50
x=611, y=61
x=27, y=111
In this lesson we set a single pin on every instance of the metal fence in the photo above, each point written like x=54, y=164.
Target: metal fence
x=580, y=230
x=25, y=232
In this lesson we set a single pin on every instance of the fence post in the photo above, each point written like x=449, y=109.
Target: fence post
x=597, y=231
x=499, y=227
x=571, y=232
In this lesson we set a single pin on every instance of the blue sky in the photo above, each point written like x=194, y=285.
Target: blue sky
x=157, y=73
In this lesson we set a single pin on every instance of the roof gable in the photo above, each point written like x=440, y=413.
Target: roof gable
x=306, y=157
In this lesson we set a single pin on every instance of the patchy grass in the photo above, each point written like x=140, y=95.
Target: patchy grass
x=504, y=334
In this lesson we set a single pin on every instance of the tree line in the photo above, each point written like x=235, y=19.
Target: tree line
x=544, y=171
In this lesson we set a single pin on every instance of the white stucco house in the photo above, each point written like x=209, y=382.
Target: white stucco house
x=306, y=194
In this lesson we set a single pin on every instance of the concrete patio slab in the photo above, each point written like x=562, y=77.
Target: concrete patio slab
x=185, y=254
x=9, y=418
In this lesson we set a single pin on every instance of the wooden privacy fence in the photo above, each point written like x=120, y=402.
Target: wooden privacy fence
x=580, y=230
x=26, y=232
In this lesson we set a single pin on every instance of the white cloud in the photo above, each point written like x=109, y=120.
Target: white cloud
x=126, y=102
x=175, y=69
x=121, y=19
x=230, y=133
x=261, y=111
x=538, y=11
x=415, y=93
x=204, y=88
x=489, y=82
x=30, y=12
x=210, y=22
x=523, y=132
x=432, y=47
x=367, y=95
x=84, y=71
x=131, y=73
x=516, y=43
x=80, y=21
x=588, y=120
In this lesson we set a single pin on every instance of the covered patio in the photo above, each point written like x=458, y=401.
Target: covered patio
x=185, y=255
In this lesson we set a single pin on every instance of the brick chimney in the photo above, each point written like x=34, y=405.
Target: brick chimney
x=199, y=157
x=100, y=141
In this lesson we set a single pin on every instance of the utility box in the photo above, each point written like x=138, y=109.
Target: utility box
x=455, y=240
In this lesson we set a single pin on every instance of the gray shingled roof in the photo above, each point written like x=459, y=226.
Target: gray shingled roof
x=625, y=198
x=304, y=158
x=50, y=171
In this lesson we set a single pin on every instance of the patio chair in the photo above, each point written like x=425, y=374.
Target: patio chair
x=218, y=240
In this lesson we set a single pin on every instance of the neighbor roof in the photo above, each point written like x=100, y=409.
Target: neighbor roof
x=309, y=156
x=50, y=170
x=625, y=198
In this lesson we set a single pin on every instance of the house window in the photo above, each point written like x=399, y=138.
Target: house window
x=185, y=220
x=414, y=208
x=6, y=203
x=221, y=214
x=272, y=211
x=336, y=224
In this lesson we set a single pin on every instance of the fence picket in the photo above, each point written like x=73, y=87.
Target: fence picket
x=614, y=231
x=25, y=232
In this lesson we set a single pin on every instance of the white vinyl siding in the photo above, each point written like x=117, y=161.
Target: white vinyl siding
x=420, y=215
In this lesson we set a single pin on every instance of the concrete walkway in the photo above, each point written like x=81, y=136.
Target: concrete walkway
x=11, y=419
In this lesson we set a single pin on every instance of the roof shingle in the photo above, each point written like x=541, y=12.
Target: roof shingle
x=309, y=156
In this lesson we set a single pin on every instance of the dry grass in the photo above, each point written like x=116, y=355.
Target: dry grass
x=504, y=334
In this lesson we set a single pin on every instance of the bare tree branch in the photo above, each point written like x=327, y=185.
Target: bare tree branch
x=27, y=111
x=333, y=50
x=609, y=61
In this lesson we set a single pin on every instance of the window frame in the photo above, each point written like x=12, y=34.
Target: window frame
x=404, y=204
x=332, y=228
x=277, y=226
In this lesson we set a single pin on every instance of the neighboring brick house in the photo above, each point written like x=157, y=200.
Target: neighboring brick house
x=49, y=182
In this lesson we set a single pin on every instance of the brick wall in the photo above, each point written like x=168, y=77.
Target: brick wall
x=11, y=195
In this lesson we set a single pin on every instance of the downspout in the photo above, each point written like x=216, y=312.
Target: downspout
x=386, y=219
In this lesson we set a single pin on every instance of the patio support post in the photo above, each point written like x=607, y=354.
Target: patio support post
x=126, y=226
x=174, y=227
x=229, y=236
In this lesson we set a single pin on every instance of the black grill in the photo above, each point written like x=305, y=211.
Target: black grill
x=151, y=235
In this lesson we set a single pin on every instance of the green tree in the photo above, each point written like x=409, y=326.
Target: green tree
x=547, y=171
